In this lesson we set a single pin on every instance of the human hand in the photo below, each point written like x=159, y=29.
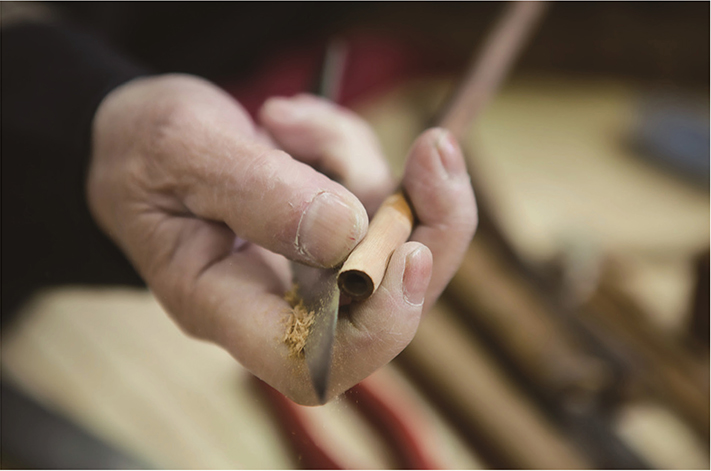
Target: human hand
x=208, y=211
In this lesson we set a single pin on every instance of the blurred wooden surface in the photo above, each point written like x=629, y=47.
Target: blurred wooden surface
x=466, y=378
x=113, y=361
x=497, y=301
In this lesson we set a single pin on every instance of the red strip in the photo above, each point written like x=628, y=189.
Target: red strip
x=373, y=64
x=308, y=452
x=397, y=420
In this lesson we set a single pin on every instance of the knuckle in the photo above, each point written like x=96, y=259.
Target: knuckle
x=167, y=126
x=463, y=224
x=193, y=328
x=175, y=293
x=468, y=221
x=180, y=306
x=262, y=169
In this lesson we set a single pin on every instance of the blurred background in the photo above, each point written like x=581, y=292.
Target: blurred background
x=576, y=332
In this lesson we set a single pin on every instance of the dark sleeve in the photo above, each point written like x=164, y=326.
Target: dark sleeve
x=53, y=79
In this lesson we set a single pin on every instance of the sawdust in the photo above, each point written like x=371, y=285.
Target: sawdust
x=298, y=324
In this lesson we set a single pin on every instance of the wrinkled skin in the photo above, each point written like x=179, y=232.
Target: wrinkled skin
x=209, y=206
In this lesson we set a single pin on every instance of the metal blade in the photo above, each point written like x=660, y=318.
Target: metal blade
x=318, y=288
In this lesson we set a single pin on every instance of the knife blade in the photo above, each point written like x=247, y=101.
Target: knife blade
x=318, y=289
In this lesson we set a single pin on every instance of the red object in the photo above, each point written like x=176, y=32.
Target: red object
x=291, y=418
x=400, y=424
x=374, y=64
x=383, y=404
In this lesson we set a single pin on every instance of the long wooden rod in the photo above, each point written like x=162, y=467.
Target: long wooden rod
x=363, y=270
x=490, y=67
x=466, y=383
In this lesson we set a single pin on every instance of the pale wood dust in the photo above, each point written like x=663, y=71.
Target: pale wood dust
x=298, y=324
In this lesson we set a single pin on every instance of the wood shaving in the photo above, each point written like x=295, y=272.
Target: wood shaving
x=298, y=324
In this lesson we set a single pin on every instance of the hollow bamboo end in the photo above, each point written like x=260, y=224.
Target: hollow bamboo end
x=364, y=269
x=356, y=283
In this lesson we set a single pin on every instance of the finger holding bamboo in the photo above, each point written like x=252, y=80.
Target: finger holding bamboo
x=439, y=193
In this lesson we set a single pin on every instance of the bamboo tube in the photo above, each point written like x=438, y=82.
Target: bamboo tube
x=364, y=269
x=698, y=327
x=499, y=301
x=552, y=361
x=666, y=369
x=489, y=68
x=471, y=388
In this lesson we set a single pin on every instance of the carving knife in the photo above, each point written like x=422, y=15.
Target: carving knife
x=318, y=287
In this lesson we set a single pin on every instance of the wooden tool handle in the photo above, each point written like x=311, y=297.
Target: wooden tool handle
x=391, y=226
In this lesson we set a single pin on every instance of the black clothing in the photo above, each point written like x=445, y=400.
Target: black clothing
x=54, y=75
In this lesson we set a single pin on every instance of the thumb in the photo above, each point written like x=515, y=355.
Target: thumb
x=270, y=199
x=179, y=146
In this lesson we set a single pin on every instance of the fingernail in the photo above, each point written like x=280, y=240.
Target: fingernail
x=329, y=229
x=450, y=153
x=415, y=278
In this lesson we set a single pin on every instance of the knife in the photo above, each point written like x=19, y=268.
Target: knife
x=317, y=288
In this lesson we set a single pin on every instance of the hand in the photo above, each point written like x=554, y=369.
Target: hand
x=208, y=211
